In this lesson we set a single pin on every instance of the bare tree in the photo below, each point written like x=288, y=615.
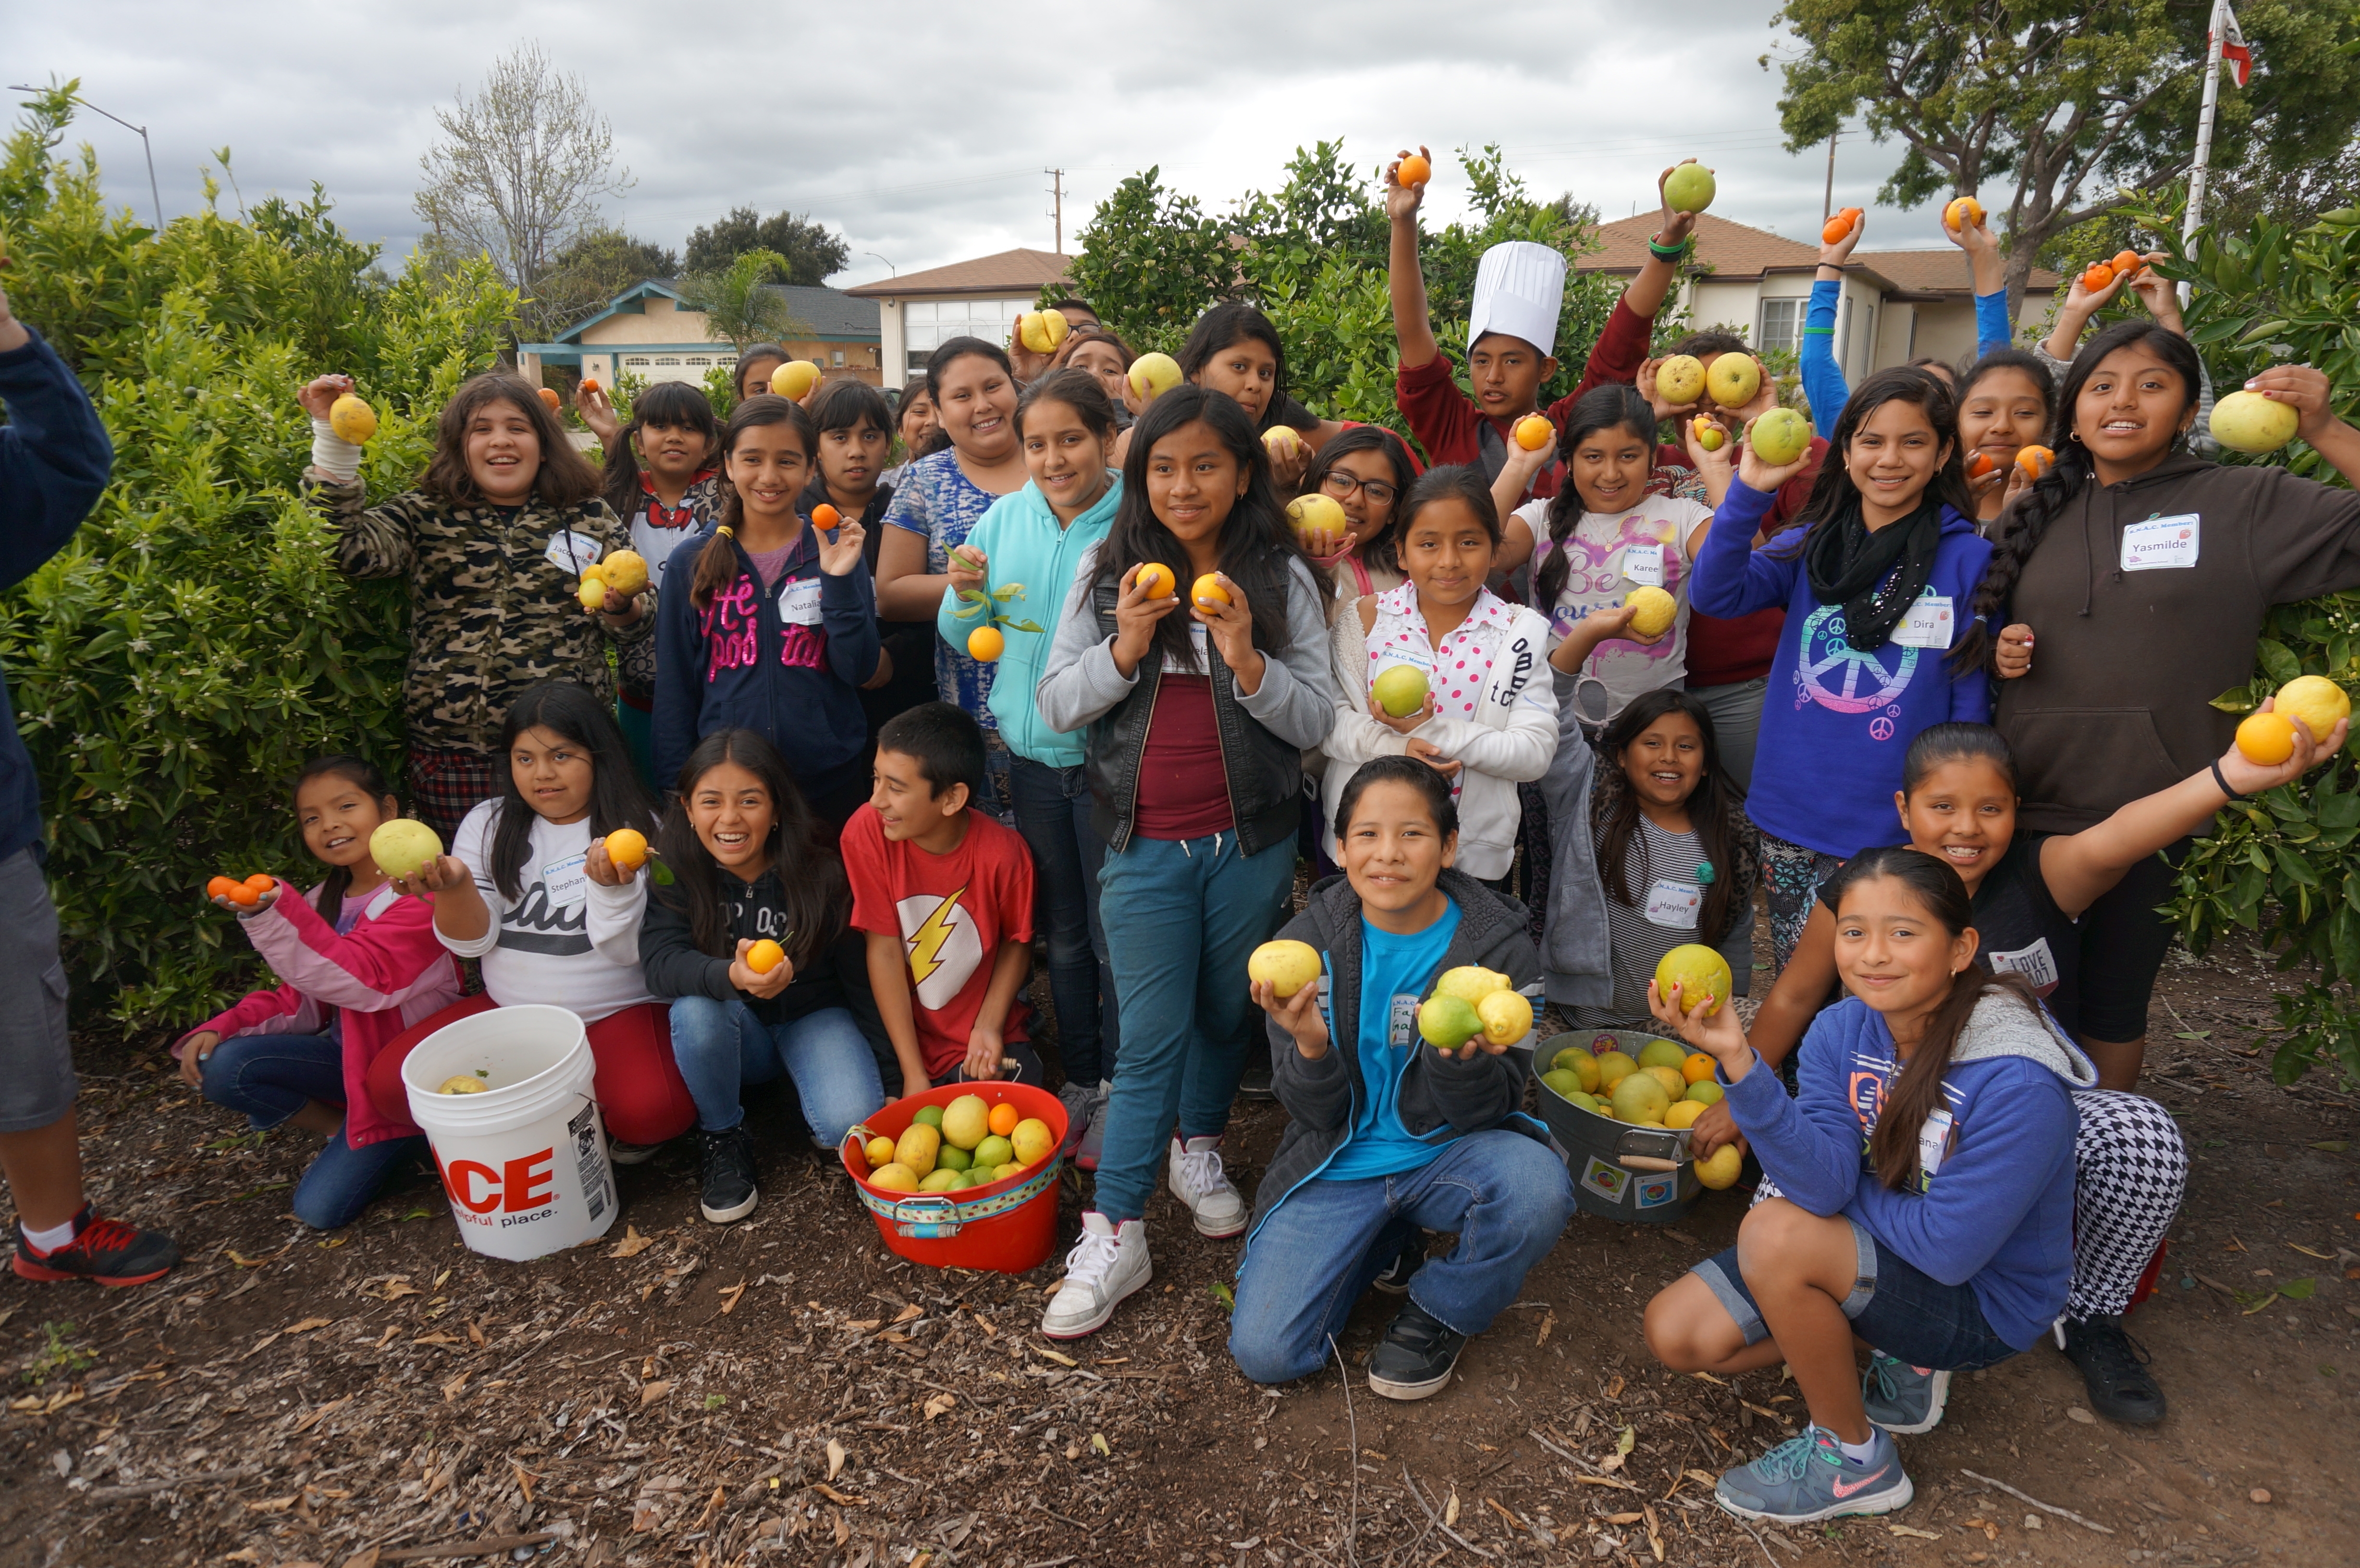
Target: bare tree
x=519, y=172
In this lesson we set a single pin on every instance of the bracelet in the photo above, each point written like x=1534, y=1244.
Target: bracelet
x=2221, y=779
x=1670, y=253
x=1819, y=331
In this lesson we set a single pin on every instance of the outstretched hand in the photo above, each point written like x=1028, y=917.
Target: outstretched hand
x=1718, y=1035
x=2247, y=778
x=1298, y=1015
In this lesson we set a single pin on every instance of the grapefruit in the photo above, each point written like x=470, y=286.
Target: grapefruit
x=1613, y=1068
x=794, y=380
x=1400, y=690
x=967, y=1121
x=1032, y=1141
x=1153, y=375
x=1700, y=972
x=1639, y=1098
x=2249, y=422
x=1732, y=379
x=626, y=571
x=1779, y=437
x=1580, y=1062
x=400, y=846
x=1282, y=442
x=1720, y=1172
x=352, y=418
x=1680, y=379
x=1662, y=1054
x=1288, y=967
x=1317, y=513
x=1652, y=611
x=1690, y=188
x=2317, y=701
x=1043, y=331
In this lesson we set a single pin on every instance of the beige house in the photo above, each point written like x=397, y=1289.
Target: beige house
x=1896, y=305
x=650, y=332
x=974, y=298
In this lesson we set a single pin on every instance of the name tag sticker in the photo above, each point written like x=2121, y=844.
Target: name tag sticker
x=1404, y=1018
x=1200, y=648
x=799, y=603
x=1643, y=565
x=2162, y=543
x=1929, y=623
x=570, y=552
x=1933, y=1142
x=1674, y=904
x=568, y=881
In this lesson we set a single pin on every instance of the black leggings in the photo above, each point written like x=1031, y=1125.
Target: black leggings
x=2122, y=943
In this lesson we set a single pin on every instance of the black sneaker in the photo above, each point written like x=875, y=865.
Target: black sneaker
x=107, y=1251
x=1418, y=1356
x=1394, y=1280
x=2113, y=1369
x=729, y=1192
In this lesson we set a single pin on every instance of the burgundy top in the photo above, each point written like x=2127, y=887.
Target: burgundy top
x=1179, y=795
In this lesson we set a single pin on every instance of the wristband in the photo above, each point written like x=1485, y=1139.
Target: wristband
x=1670, y=252
x=2221, y=779
x=332, y=455
x=1819, y=331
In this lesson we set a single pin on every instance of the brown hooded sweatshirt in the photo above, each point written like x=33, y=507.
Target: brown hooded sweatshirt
x=2145, y=599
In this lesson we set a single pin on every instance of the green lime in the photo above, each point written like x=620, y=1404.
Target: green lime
x=932, y=1116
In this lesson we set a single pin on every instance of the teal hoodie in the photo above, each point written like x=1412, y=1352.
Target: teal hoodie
x=1025, y=549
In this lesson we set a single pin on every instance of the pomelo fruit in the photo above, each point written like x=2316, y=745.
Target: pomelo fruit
x=994, y=1150
x=1696, y=1067
x=1720, y=1172
x=1662, y=1054
x=1580, y=1062
x=1680, y=379
x=1448, y=1022
x=626, y=571
x=1043, y=331
x=1287, y=966
x=1534, y=431
x=1700, y=972
x=1652, y=611
x=1639, y=1098
x=967, y=1121
x=2317, y=701
x=1779, y=437
x=2248, y=421
x=1155, y=581
x=879, y=1153
x=352, y=418
x=1683, y=1113
x=1733, y=379
x=940, y=1180
x=951, y=1157
x=1613, y=1068
x=893, y=1178
x=1317, y=513
x=1471, y=982
x=1705, y=1092
x=1507, y=1017
x=1153, y=375
x=916, y=1149
x=400, y=846
x=1400, y=690
x=2264, y=739
x=1032, y=1141
x=794, y=380
x=1691, y=188
x=1669, y=1077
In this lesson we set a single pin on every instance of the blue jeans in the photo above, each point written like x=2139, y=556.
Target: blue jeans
x=1506, y=1196
x=268, y=1077
x=1894, y=1305
x=1053, y=813
x=720, y=1045
x=1181, y=920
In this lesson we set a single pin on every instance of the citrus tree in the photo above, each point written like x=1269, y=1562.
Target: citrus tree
x=2284, y=868
x=194, y=644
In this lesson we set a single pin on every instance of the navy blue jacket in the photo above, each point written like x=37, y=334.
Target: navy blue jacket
x=54, y=462
x=737, y=664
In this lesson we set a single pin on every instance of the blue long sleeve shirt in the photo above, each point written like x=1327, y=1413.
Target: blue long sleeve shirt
x=1823, y=380
x=1837, y=719
x=54, y=463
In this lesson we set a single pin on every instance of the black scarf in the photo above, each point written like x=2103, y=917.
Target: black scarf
x=1848, y=565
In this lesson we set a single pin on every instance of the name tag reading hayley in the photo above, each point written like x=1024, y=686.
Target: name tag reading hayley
x=1674, y=904
x=568, y=881
x=1643, y=565
x=2162, y=543
x=799, y=603
x=570, y=552
x=1929, y=624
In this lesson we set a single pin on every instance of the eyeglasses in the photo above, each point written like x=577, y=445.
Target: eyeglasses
x=1340, y=484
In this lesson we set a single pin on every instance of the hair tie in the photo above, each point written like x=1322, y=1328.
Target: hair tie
x=725, y=532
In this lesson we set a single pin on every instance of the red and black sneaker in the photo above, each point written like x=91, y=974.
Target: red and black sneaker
x=107, y=1251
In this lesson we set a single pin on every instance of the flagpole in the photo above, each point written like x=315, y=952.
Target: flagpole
x=2213, y=37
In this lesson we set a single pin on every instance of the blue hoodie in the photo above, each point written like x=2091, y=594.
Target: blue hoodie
x=1027, y=550
x=1836, y=722
x=1997, y=1216
x=738, y=664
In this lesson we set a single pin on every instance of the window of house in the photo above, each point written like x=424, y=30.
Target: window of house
x=839, y=356
x=637, y=361
x=698, y=360
x=1781, y=328
x=667, y=359
x=927, y=324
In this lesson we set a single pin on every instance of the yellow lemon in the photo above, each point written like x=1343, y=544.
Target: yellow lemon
x=1032, y=1141
x=626, y=571
x=1669, y=1077
x=1652, y=611
x=1507, y=1017
x=917, y=1148
x=893, y=1178
x=1682, y=1113
x=1721, y=1172
x=463, y=1083
x=879, y=1153
x=2317, y=701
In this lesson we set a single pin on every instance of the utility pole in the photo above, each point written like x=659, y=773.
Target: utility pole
x=1058, y=189
x=153, y=193
x=2195, y=216
x=1828, y=201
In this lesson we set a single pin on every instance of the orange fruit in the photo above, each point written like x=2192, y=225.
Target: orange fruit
x=260, y=883
x=826, y=516
x=1696, y=1068
x=589, y=384
x=627, y=847
x=220, y=885
x=1155, y=580
x=764, y=957
x=2127, y=262
x=2035, y=460
x=1414, y=171
x=2099, y=276
x=1961, y=213
x=1208, y=591
x=1004, y=1117
x=2266, y=739
x=1534, y=431
x=986, y=644
x=244, y=897
x=1980, y=465
x=549, y=399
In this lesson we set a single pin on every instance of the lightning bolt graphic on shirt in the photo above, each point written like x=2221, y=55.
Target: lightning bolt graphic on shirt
x=925, y=943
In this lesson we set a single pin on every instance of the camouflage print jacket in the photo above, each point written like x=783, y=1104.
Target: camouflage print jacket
x=493, y=605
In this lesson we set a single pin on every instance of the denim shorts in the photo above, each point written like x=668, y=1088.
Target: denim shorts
x=1894, y=1305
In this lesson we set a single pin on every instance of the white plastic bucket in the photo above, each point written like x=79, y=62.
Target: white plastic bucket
x=524, y=1164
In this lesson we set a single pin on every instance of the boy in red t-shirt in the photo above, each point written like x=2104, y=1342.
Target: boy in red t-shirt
x=946, y=896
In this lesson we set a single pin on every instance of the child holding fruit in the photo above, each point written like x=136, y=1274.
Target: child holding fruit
x=2006, y=403
x=1196, y=728
x=2146, y=574
x=357, y=963
x=1388, y=1134
x=855, y=425
x=517, y=894
x=1925, y=1198
x=1366, y=471
x=750, y=941
x=943, y=897
x=1015, y=570
x=494, y=540
x=773, y=623
x=751, y=375
x=1444, y=670
x=1876, y=589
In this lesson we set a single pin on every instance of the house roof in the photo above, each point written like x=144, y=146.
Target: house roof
x=1023, y=270
x=830, y=313
x=1739, y=251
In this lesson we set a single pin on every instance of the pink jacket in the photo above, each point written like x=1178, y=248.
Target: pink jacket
x=389, y=974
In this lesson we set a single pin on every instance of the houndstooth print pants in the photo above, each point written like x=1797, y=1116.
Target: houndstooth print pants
x=2130, y=1168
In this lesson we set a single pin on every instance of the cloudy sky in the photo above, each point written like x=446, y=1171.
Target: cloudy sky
x=922, y=132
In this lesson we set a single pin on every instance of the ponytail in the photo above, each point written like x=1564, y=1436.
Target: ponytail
x=717, y=562
x=364, y=776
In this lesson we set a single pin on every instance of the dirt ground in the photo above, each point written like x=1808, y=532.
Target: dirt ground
x=785, y=1390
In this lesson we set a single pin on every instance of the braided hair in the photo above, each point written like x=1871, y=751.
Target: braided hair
x=2027, y=522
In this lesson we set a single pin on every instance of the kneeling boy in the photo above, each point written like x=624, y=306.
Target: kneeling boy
x=1390, y=1135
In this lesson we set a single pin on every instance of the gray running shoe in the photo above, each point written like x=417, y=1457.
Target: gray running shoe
x=1902, y=1399
x=1807, y=1478
x=1086, y=1156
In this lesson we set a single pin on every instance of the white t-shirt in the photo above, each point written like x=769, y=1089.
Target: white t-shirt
x=556, y=944
x=1609, y=554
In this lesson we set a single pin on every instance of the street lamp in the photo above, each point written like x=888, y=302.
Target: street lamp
x=152, y=192
x=889, y=265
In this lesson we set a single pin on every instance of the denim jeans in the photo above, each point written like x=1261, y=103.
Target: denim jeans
x=720, y=1045
x=1506, y=1196
x=268, y=1077
x=1053, y=813
x=1182, y=917
x=1893, y=1305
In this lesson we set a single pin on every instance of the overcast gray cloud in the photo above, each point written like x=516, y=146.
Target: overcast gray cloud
x=922, y=132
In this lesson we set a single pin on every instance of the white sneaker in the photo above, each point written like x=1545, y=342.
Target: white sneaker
x=1106, y=1265
x=623, y=1153
x=1197, y=1179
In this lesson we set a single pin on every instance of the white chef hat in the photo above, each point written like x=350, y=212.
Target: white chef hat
x=1519, y=288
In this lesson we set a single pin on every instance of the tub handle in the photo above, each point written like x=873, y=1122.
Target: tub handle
x=940, y=1227
x=1648, y=1162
